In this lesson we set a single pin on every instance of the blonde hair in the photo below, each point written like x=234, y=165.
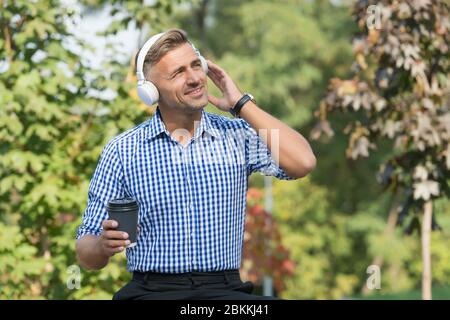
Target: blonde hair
x=171, y=39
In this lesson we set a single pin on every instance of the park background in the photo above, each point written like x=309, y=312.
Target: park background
x=366, y=82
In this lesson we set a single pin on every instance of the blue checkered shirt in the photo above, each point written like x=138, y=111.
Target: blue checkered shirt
x=192, y=198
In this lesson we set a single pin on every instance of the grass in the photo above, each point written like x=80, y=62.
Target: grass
x=438, y=293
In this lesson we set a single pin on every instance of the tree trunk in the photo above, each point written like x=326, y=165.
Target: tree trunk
x=390, y=228
x=426, y=254
x=201, y=18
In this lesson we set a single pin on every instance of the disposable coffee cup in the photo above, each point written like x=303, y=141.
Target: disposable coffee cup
x=125, y=211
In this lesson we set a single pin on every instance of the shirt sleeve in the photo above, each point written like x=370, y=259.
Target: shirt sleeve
x=106, y=184
x=259, y=158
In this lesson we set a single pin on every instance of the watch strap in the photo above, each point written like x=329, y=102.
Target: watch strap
x=240, y=104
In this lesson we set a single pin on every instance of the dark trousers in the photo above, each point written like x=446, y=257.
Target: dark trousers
x=223, y=285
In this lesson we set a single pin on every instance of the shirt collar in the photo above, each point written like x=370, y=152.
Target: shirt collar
x=156, y=126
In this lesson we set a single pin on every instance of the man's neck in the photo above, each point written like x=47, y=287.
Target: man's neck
x=179, y=122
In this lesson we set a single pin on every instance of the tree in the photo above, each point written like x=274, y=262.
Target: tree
x=320, y=241
x=280, y=51
x=53, y=125
x=264, y=252
x=400, y=93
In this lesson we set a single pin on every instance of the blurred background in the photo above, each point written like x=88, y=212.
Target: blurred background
x=366, y=82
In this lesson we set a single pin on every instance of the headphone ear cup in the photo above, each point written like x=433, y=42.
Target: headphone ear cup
x=204, y=63
x=148, y=93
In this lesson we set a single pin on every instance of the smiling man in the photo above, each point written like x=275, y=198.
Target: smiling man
x=188, y=170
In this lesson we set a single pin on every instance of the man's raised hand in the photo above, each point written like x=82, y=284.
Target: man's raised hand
x=230, y=91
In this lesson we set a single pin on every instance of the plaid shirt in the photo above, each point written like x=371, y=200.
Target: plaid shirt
x=192, y=198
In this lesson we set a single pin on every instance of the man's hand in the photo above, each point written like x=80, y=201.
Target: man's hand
x=112, y=241
x=230, y=91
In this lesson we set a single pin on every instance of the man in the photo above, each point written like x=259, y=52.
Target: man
x=188, y=170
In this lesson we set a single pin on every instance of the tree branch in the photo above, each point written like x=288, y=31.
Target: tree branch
x=8, y=42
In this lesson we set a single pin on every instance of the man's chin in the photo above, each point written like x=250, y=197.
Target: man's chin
x=197, y=104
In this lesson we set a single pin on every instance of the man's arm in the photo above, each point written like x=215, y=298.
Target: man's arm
x=95, y=246
x=89, y=254
x=293, y=150
x=93, y=252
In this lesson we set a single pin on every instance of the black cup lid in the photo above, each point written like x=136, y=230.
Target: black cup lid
x=122, y=202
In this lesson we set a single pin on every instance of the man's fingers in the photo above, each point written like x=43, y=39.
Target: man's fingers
x=215, y=80
x=216, y=74
x=116, y=243
x=215, y=69
x=213, y=65
x=210, y=63
x=109, y=224
x=110, y=234
x=112, y=251
x=212, y=75
x=113, y=241
x=214, y=100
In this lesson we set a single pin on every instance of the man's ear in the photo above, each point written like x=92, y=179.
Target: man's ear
x=154, y=74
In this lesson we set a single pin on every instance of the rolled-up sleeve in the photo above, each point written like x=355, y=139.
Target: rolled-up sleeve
x=259, y=158
x=106, y=184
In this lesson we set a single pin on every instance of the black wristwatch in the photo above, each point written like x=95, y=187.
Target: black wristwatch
x=241, y=102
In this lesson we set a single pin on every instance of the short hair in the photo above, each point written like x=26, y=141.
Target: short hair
x=170, y=40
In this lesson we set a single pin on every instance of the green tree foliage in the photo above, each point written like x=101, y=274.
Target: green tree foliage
x=318, y=240
x=264, y=253
x=331, y=249
x=53, y=125
x=400, y=92
x=154, y=15
x=55, y=119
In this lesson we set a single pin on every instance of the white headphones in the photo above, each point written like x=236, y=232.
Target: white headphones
x=146, y=90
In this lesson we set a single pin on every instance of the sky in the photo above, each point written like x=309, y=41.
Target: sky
x=85, y=28
x=118, y=47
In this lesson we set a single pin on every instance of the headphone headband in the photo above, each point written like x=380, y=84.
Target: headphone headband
x=142, y=53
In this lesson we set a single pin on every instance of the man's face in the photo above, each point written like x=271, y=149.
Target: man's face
x=180, y=79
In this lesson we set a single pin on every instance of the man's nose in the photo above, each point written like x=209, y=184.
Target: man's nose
x=193, y=76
